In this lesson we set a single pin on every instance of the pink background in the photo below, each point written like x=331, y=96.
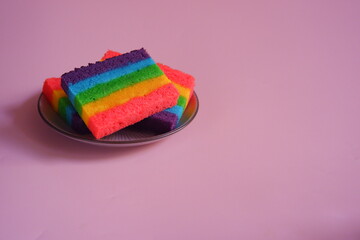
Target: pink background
x=274, y=152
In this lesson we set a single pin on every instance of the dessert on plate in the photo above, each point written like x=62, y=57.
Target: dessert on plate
x=118, y=91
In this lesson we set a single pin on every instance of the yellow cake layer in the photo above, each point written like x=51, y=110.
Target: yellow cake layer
x=185, y=92
x=56, y=95
x=122, y=96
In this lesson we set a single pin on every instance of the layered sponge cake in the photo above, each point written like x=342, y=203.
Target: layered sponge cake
x=168, y=119
x=60, y=103
x=119, y=91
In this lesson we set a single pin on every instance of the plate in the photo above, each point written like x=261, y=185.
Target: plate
x=129, y=136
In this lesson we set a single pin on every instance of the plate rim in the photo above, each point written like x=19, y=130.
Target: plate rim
x=126, y=142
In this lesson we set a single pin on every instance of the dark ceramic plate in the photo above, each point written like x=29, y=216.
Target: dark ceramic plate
x=129, y=136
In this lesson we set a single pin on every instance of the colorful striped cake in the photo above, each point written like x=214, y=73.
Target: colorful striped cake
x=60, y=103
x=119, y=91
x=168, y=119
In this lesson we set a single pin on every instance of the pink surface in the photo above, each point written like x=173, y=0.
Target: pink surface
x=274, y=152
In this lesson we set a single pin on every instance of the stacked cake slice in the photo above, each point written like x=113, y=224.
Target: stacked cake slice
x=168, y=119
x=120, y=91
x=60, y=103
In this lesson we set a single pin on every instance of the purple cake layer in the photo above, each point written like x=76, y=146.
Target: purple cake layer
x=92, y=69
x=78, y=124
x=168, y=121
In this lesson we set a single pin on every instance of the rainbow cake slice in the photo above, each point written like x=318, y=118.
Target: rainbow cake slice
x=168, y=119
x=60, y=103
x=120, y=91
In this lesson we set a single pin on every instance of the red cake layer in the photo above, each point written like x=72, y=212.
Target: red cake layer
x=110, y=54
x=133, y=111
x=179, y=77
x=50, y=85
